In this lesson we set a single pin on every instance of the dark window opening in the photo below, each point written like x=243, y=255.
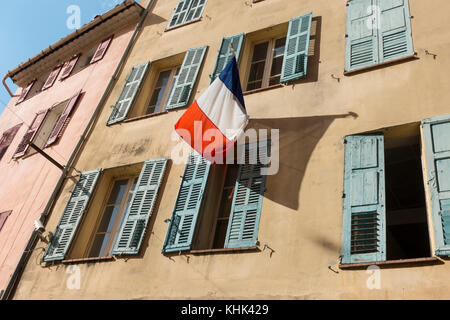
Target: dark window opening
x=406, y=218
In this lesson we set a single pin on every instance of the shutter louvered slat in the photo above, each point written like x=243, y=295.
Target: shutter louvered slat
x=52, y=77
x=436, y=133
x=25, y=91
x=72, y=216
x=395, y=34
x=179, y=14
x=364, y=218
x=69, y=66
x=361, y=41
x=225, y=53
x=136, y=218
x=129, y=93
x=31, y=133
x=195, y=11
x=246, y=207
x=3, y=217
x=182, y=225
x=101, y=50
x=295, y=60
x=58, y=128
x=187, y=78
x=7, y=138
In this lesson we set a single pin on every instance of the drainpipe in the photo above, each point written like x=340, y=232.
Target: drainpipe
x=6, y=85
x=8, y=293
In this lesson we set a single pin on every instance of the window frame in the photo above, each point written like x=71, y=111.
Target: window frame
x=265, y=81
x=174, y=72
x=132, y=179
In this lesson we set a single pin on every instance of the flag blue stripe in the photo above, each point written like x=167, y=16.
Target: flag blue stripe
x=230, y=77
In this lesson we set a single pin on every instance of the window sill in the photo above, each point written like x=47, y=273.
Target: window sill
x=182, y=25
x=224, y=250
x=262, y=89
x=402, y=262
x=145, y=116
x=87, y=260
x=379, y=65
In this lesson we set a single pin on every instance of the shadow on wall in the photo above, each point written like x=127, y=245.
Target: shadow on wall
x=298, y=139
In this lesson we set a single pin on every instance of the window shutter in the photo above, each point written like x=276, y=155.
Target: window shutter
x=247, y=200
x=31, y=133
x=179, y=14
x=25, y=91
x=395, y=36
x=134, y=225
x=52, y=77
x=71, y=216
x=58, y=128
x=196, y=10
x=7, y=138
x=225, y=53
x=295, y=61
x=68, y=67
x=3, y=217
x=361, y=37
x=187, y=77
x=187, y=207
x=128, y=94
x=437, y=145
x=101, y=50
x=364, y=221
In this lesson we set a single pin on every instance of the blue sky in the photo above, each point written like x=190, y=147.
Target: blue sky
x=29, y=26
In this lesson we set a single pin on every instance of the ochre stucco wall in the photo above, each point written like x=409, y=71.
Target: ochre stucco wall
x=301, y=217
x=27, y=183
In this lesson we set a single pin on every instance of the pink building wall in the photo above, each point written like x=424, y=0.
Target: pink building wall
x=26, y=184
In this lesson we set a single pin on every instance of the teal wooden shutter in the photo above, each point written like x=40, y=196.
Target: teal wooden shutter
x=437, y=145
x=364, y=221
x=196, y=10
x=248, y=195
x=71, y=216
x=362, y=36
x=187, y=77
x=136, y=219
x=187, y=207
x=395, y=37
x=180, y=13
x=129, y=93
x=225, y=53
x=295, y=61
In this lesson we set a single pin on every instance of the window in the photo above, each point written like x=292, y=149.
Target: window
x=3, y=217
x=117, y=204
x=47, y=127
x=7, y=138
x=385, y=215
x=172, y=85
x=125, y=205
x=378, y=31
x=266, y=63
x=186, y=11
x=224, y=198
x=52, y=77
x=162, y=90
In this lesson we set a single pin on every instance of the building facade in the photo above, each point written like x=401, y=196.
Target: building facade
x=59, y=91
x=357, y=208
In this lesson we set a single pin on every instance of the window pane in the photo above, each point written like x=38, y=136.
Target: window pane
x=256, y=71
x=109, y=216
x=254, y=85
x=163, y=79
x=117, y=192
x=260, y=51
x=279, y=47
x=155, y=100
x=98, y=247
x=232, y=172
x=225, y=203
x=276, y=66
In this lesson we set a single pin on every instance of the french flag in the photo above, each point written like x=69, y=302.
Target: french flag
x=213, y=123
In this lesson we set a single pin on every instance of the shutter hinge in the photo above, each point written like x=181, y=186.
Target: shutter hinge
x=346, y=35
x=345, y=141
x=343, y=195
